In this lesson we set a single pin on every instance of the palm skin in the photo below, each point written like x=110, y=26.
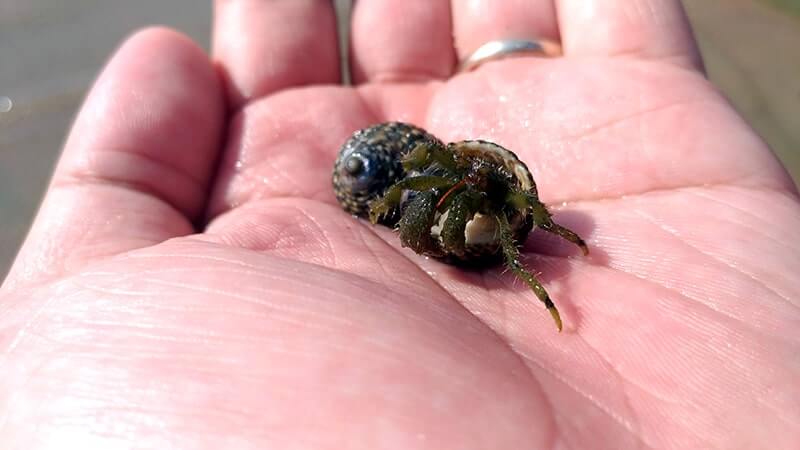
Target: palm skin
x=287, y=323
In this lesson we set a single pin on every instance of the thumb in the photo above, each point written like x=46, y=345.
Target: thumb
x=136, y=166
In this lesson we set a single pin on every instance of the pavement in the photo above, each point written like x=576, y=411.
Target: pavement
x=51, y=51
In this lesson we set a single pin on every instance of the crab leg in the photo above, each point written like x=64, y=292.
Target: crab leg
x=415, y=225
x=511, y=254
x=392, y=197
x=543, y=219
x=453, y=236
x=427, y=152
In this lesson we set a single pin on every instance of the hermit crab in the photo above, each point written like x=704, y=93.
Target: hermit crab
x=465, y=202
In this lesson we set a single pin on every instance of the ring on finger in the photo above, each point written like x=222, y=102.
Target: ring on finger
x=509, y=48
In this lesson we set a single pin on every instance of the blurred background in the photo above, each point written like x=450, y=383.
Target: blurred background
x=51, y=51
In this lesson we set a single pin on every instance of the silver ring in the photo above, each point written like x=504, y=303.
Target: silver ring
x=505, y=48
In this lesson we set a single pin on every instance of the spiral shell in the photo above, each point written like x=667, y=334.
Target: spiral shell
x=369, y=162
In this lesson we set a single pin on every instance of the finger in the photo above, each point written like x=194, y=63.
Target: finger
x=478, y=22
x=645, y=122
x=401, y=41
x=650, y=29
x=136, y=167
x=266, y=46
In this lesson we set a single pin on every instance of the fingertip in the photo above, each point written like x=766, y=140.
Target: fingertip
x=153, y=118
x=137, y=165
x=262, y=47
x=408, y=41
x=164, y=37
x=646, y=29
x=165, y=48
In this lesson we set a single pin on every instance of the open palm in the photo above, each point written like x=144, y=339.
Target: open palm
x=287, y=323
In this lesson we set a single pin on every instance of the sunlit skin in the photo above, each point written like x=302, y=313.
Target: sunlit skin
x=190, y=281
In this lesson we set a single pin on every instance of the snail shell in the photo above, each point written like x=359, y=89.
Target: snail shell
x=369, y=162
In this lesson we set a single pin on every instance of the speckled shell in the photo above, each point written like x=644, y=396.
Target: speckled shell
x=383, y=146
x=489, y=151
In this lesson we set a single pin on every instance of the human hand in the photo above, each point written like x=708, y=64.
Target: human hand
x=286, y=323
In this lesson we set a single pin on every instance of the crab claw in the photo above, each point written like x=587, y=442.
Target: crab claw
x=377, y=210
x=556, y=316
